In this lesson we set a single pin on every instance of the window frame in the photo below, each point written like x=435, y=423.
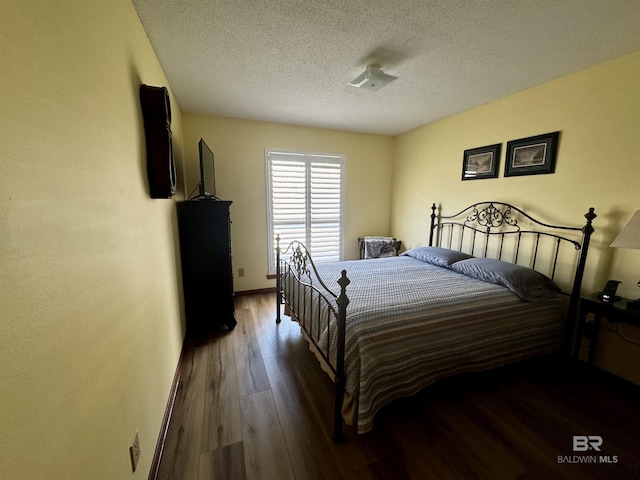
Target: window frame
x=334, y=158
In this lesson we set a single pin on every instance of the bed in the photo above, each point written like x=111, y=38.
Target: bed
x=492, y=286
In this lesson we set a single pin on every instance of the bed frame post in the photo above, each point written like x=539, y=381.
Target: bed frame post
x=342, y=302
x=278, y=281
x=433, y=223
x=570, y=327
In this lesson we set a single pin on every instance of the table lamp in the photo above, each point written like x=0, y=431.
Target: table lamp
x=629, y=237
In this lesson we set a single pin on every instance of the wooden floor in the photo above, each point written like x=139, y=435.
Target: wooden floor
x=253, y=403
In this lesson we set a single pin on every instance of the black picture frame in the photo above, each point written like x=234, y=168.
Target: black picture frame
x=481, y=162
x=532, y=155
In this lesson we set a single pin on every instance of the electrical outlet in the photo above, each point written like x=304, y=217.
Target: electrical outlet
x=134, y=452
x=241, y=272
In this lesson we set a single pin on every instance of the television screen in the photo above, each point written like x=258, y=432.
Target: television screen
x=207, y=187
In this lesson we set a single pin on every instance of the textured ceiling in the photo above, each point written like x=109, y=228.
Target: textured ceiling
x=289, y=61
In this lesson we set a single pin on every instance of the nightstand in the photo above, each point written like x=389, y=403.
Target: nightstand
x=615, y=312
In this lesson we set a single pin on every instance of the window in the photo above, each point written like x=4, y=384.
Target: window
x=305, y=202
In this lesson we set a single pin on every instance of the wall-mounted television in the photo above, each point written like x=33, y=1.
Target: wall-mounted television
x=207, y=186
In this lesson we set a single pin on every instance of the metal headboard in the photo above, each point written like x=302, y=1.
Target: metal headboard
x=483, y=227
x=473, y=230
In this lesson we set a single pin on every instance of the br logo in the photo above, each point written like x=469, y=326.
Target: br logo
x=582, y=443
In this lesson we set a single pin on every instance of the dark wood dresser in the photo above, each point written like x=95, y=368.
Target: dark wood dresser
x=205, y=243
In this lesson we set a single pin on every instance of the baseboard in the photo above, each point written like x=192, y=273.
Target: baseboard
x=164, y=427
x=254, y=292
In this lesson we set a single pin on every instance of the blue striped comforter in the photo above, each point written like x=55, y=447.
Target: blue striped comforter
x=410, y=323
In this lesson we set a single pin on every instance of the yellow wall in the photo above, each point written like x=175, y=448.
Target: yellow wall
x=90, y=300
x=239, y=148
x=597, y=112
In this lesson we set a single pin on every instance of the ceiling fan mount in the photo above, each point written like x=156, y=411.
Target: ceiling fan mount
x=373, y=78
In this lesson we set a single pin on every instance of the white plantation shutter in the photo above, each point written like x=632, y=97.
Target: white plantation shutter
x=326, y=211
x=288, y=190
x=304, y=197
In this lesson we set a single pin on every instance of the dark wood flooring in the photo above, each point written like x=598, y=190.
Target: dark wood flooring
x=253, y=404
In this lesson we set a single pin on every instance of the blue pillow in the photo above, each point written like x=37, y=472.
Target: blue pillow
x=524, y=282
x=442, y=257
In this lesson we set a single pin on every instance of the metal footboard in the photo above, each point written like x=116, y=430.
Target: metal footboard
x=317, y=309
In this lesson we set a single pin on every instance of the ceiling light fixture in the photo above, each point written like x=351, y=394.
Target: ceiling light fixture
x=373, y=78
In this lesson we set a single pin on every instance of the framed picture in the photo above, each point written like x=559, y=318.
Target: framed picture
x=481, y=162
x=532, y=155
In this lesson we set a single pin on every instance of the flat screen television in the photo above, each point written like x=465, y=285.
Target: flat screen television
x=207, y=186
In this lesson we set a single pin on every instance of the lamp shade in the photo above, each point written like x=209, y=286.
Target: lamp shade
x=629, y=236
